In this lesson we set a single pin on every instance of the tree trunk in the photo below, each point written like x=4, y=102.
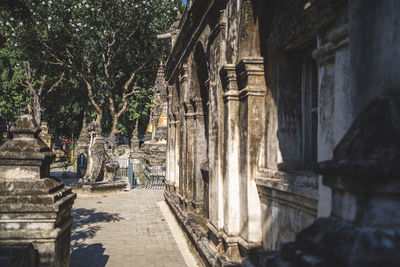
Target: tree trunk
x=97, y=106
x=114, y=129
x=37, y=110
x=99, y=116
x=117, y=114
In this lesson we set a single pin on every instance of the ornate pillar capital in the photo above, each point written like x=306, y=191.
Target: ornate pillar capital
x=251, y=76
x=229, y=82
x=189, y=110
x=227, y=74
x=198, y=106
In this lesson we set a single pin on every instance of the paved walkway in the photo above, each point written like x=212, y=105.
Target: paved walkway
x=127, y=229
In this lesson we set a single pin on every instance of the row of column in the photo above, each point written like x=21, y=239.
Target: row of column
x=172, y=177
x=194, y=154
x=187, y=150
x=244, y=92
x=244, y=99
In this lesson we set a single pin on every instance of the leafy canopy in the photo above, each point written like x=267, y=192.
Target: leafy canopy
x=100, y=42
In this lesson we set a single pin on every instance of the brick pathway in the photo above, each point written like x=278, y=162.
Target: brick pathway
x=124, y=229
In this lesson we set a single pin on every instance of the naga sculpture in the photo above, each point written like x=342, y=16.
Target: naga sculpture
x=101, y=167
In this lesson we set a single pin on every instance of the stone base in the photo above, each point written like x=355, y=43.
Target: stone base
x=170, y=187
x=197, y=235
x=233, y=248
x=38, y=213
x=189, y=206
x=99, y=187
x=198, y=207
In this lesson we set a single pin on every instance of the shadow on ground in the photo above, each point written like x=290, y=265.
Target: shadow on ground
x=84, y=227
x=88, y=255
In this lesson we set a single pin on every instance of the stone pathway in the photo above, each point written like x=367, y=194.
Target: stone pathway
x=126, y=229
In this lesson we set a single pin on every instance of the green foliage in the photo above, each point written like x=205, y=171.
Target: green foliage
x=13, y=97
x=64, y=108
x=137, y=109
x=79, y=37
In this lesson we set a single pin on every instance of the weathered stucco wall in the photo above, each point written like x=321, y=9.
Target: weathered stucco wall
x=264, y=94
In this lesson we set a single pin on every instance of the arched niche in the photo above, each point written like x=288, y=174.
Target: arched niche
x=199, y=83
x=199, y=97
x=175, y=97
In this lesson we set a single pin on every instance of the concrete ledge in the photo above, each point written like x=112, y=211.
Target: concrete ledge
x=196, y=234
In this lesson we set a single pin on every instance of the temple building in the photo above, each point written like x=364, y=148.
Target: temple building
x=258, y=93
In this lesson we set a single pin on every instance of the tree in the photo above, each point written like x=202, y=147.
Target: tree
x=109, y=44
x=38, y=93
x=38, y=79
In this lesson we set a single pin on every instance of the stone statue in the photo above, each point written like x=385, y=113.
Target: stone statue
x=101, y=167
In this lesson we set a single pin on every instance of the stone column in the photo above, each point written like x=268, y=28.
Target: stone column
x=177, y=154
x=170, y=140
x=231, y=160
x=200, y=155
x=190, y=146
x=35, y=209
x=170, y=162
x=182, y=153
x=251, y=83
x=183, y=80
x=172, y=156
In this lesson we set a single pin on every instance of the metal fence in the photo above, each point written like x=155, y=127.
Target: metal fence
x=123, y=168
x=123, y=163
x=149, y=176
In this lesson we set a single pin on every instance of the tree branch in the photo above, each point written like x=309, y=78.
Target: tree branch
x=107, y=62
x=131, y=92
x=129, y=81
x=57, y=83
x=51, y=52
x=42, y=82
x=70, y=56
x=90, y=94
x=112, y=106
x=28, y=76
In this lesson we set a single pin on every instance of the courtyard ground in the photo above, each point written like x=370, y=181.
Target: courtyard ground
x=133, y=228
